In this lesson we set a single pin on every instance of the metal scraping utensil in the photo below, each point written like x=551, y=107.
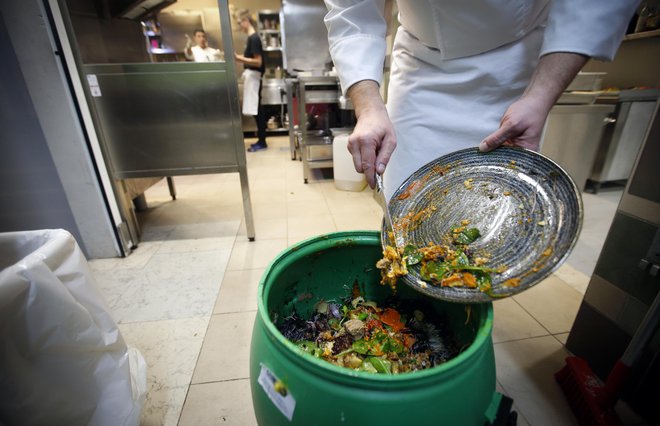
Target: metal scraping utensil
x=398, y=242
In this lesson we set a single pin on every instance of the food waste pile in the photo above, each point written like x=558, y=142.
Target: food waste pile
x=361, y=335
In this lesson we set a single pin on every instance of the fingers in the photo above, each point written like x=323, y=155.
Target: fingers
x=385, y=153
x=363, y=149
x=495, y=139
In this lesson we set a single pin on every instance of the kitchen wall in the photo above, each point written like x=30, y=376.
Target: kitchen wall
x=48, y=178
x=636, y=64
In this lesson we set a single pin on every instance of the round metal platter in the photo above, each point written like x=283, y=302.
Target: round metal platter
x=527, y=209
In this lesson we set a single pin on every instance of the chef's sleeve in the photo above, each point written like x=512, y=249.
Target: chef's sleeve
x=593, y=28
x=356, y=37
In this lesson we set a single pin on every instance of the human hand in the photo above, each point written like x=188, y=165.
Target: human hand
x=521, y=125
x=188, y=42
x=372, y=142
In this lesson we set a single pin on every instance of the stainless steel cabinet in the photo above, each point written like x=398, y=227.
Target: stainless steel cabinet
x=572, y=137
x=616, y=154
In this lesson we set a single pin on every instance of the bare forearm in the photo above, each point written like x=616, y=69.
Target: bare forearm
x=253, y=62
x=552, y=75
x=365, y=96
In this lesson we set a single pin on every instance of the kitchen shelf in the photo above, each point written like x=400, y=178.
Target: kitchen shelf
x=643, y=34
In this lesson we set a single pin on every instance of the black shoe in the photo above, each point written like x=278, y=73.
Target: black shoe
x=258, y=146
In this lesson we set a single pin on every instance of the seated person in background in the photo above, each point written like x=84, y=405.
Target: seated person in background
x=202, y=52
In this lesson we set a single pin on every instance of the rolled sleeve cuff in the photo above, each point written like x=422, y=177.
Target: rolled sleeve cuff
x=359, y=57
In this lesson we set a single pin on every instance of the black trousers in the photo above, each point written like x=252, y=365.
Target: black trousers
x=260, y=118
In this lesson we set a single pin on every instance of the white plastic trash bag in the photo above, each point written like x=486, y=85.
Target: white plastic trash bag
x=63, y=360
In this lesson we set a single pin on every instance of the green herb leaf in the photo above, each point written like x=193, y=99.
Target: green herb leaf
x=467, y=236
x=434, y=271
x=381, y=365
x=461, y=260
x=368, y=367
x=360, y=346
x=412, y=255
x=310, y=348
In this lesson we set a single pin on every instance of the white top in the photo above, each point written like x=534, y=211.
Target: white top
x=462, y=28
x=208, y=54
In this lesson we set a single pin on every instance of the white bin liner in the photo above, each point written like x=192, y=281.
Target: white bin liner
x=63, y=360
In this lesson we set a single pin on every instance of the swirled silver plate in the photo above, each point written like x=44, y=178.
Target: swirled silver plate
x=527, y=209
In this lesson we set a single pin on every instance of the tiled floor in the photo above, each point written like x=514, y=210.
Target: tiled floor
x=186, y=298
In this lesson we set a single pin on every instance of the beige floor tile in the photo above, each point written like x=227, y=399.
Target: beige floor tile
x=367, y=221
x=306, y=208
x=238, y=292
x=274, y=209
x=553, y=303
x=226, y=350
x=299, y=191
x=265, y=229
x=525, y=369
x=218, y=403
x=562, y=337
x=170, y=349
x=512, y=322
x=310, y=226
x=573, y=277
x=255, y=254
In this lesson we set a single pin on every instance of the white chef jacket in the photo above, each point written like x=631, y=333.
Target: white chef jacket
x=208, y=54
x=458, y=64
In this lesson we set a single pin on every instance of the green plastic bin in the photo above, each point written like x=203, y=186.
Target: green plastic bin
x=290, y=387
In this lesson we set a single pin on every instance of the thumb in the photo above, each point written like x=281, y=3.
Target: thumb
x=495, y=139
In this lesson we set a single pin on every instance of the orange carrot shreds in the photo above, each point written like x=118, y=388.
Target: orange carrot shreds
x=392, y=318
x=408, y=340
x=469, y=280
x=411, y=189
x=511, y=282
x=454, y=280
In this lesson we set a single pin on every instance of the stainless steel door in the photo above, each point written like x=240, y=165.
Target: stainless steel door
x=159, y=119
x=164, y=119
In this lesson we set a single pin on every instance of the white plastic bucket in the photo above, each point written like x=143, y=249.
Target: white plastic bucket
x=345, y=176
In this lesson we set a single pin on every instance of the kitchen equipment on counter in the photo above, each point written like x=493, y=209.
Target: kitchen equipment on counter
x=527, y=209
x=290, y=387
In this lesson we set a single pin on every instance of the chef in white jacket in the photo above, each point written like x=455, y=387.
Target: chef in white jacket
x=463, y=73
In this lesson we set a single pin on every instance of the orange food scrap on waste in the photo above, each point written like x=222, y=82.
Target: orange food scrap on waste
x=392, y=318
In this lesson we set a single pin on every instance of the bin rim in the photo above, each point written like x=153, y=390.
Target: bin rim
x=344, y=238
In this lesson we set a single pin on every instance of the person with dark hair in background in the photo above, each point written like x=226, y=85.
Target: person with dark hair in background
x=202, y=52
x=253, y=60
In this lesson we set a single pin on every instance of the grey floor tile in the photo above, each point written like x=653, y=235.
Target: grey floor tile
x=170, y=286
x=170, y=349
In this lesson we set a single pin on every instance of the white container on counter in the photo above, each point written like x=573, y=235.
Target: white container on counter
x=345, y=176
